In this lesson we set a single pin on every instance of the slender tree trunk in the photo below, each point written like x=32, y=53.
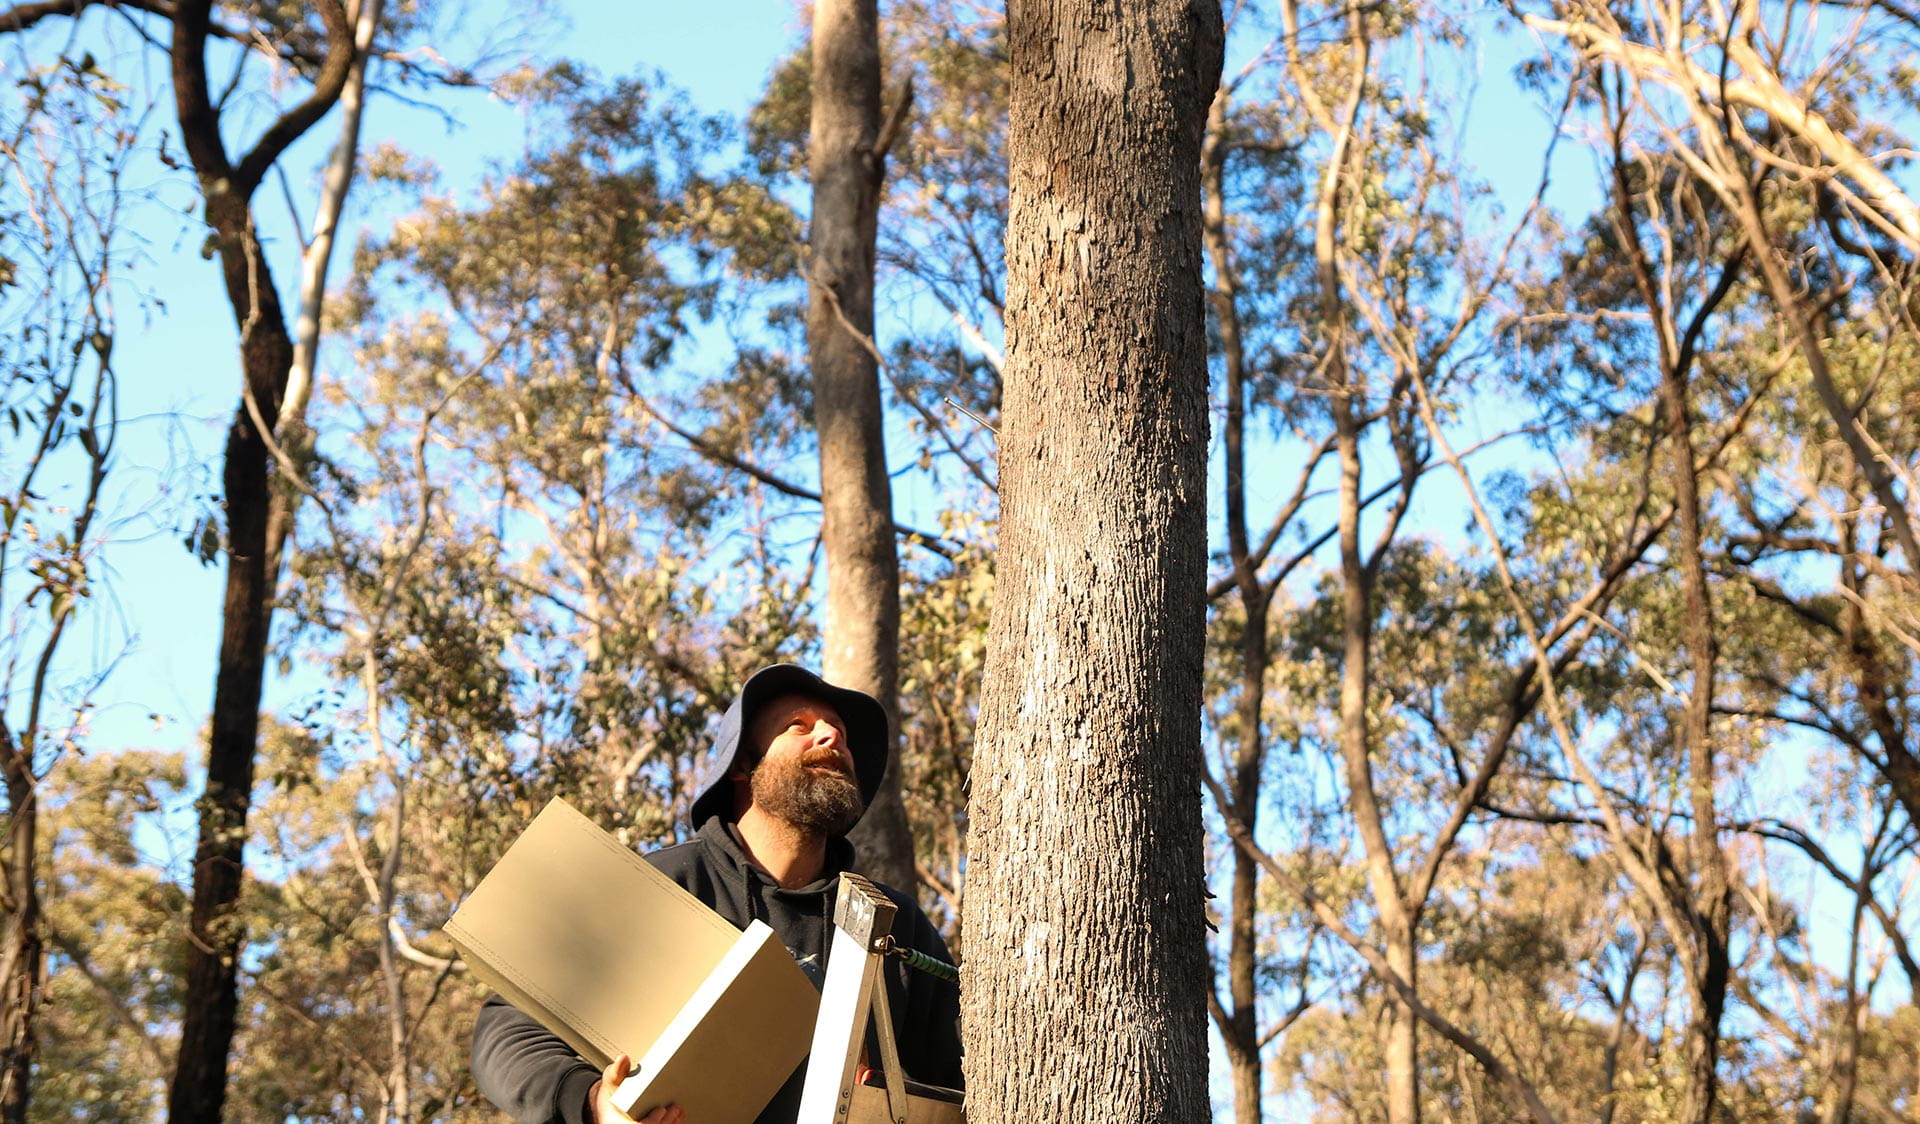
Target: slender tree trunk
x=1705, y=903
x=1403, y=1032
x=1087, y=962
x=1708, y=909
x=1400, y=1034
x=22, y=953
x=1712, y=907
x=1240, y=1031
x=1847, y=1069
x=1871, y=685
x=399, y=1040
x=863, y=567
x=1249, y=755
x=211, y=998
x=1617, y=1037
x=24, y=934
x=335, y=184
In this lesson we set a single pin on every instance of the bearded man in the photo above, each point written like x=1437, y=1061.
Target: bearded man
x=794, y=765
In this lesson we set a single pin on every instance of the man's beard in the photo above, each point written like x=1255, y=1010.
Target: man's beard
x=819, y=802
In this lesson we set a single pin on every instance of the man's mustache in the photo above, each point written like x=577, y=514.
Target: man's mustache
x=826, y=758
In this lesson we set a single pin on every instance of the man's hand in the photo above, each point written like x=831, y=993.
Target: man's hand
x=600, y=1099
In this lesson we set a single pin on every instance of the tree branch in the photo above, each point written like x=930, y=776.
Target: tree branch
x=890, y=132
x=327, y=86
x=720, y=456
x=193, y=104
x=22, y=16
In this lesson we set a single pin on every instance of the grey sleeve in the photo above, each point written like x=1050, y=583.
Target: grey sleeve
x=526, y=1070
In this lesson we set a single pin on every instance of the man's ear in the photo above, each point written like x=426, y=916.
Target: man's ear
x=740, y=780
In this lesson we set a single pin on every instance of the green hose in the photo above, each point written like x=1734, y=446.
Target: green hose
x=932, y=966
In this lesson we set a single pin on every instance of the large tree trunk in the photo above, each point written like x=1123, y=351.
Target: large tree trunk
x=1087, y=961
x=863, y=568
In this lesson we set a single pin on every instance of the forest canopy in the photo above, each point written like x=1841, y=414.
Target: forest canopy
x=1561, y=654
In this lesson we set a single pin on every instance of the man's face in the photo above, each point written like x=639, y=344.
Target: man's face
x=805, y=773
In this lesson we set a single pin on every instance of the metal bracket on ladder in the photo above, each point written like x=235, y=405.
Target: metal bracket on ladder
x=855, y=991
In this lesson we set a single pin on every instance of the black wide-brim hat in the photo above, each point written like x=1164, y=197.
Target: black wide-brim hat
x=868, y=737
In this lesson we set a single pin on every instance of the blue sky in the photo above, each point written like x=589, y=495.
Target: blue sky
x=178, y=364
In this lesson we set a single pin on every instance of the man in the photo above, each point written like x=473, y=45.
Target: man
x=794, y=765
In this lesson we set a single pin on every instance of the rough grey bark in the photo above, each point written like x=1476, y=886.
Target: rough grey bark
x=863, y=567
x=1086, y=975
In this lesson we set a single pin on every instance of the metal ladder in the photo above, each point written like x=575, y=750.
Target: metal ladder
x=854, y=994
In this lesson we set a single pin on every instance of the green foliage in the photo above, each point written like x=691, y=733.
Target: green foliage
x=114, y=919
x=944, y=607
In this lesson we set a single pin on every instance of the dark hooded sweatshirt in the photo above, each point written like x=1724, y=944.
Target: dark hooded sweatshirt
x=536, y=1077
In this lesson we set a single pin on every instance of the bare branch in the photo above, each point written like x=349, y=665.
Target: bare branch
x=715, y=453
x=327, y=86
x=890, y=132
